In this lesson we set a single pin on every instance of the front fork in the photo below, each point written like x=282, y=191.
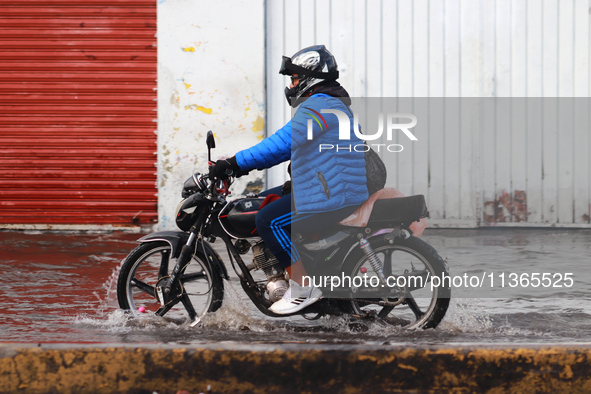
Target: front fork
x=170, y=291
x=183, y=260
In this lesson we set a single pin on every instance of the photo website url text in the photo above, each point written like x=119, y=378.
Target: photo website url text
x=425, y=279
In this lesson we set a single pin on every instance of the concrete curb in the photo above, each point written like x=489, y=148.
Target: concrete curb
x=290, y=368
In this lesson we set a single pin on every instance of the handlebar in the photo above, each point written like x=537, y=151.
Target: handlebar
x=225, y=187
x=216, y=187
x=201, y=182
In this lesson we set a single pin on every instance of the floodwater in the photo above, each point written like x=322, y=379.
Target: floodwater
x=60, y=288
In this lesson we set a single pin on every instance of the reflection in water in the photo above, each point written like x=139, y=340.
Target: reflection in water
x=61, y=288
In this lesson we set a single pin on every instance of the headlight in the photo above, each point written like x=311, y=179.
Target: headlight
x=195, y=183
x=184, y=211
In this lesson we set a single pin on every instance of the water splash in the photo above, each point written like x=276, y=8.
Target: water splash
x=467, y=315
x=234, y=314
x=108, y=300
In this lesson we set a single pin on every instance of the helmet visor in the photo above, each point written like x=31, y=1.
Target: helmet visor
x=285, y=66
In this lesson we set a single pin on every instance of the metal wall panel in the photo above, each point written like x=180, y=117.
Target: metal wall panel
x=78, y=112
x=496, y=169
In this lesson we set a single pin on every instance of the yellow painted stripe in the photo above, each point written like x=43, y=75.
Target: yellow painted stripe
x=311, y=369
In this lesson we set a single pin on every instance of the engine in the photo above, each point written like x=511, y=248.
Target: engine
x=264, y=260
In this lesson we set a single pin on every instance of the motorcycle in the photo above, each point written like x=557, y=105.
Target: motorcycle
x=178, y=274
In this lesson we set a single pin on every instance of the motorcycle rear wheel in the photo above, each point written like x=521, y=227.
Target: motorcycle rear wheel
x=423, y=307
x=151, y=263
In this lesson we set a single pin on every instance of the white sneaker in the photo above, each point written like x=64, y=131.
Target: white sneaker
x=296, y=298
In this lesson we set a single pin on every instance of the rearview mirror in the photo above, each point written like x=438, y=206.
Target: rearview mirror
x=210, y=144
x=210, y=140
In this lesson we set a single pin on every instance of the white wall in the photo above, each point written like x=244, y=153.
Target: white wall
x=211, y=76
x=462, y=48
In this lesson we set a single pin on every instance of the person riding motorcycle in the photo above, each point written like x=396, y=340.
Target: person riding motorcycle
x=327, y=185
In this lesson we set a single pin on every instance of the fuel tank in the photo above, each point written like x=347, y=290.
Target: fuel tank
x=238, y=217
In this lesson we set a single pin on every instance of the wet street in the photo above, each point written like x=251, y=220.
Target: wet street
x=60, y=288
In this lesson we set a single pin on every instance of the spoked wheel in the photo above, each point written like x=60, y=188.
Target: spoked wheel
x=149, y=266
x=408, y=299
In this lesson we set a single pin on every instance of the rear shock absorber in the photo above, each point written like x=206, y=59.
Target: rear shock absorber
x=375, y=263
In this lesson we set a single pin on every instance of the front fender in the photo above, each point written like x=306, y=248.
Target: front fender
x=176, y=240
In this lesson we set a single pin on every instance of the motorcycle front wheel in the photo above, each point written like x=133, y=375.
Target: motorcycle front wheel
x=149, y=265
x=410, y=266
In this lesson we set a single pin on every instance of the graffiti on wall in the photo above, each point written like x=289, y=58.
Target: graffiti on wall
x=506, y=207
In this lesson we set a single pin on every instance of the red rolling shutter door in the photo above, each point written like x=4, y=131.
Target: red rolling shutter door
x=78, y=112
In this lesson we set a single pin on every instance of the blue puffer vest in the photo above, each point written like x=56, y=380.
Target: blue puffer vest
x=327, y=173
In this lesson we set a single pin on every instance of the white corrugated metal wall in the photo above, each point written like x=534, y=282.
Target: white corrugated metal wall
x=496, y=169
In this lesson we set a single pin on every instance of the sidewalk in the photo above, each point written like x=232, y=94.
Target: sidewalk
x=293, y=369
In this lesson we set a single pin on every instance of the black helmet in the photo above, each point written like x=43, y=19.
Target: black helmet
x=313, y=65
